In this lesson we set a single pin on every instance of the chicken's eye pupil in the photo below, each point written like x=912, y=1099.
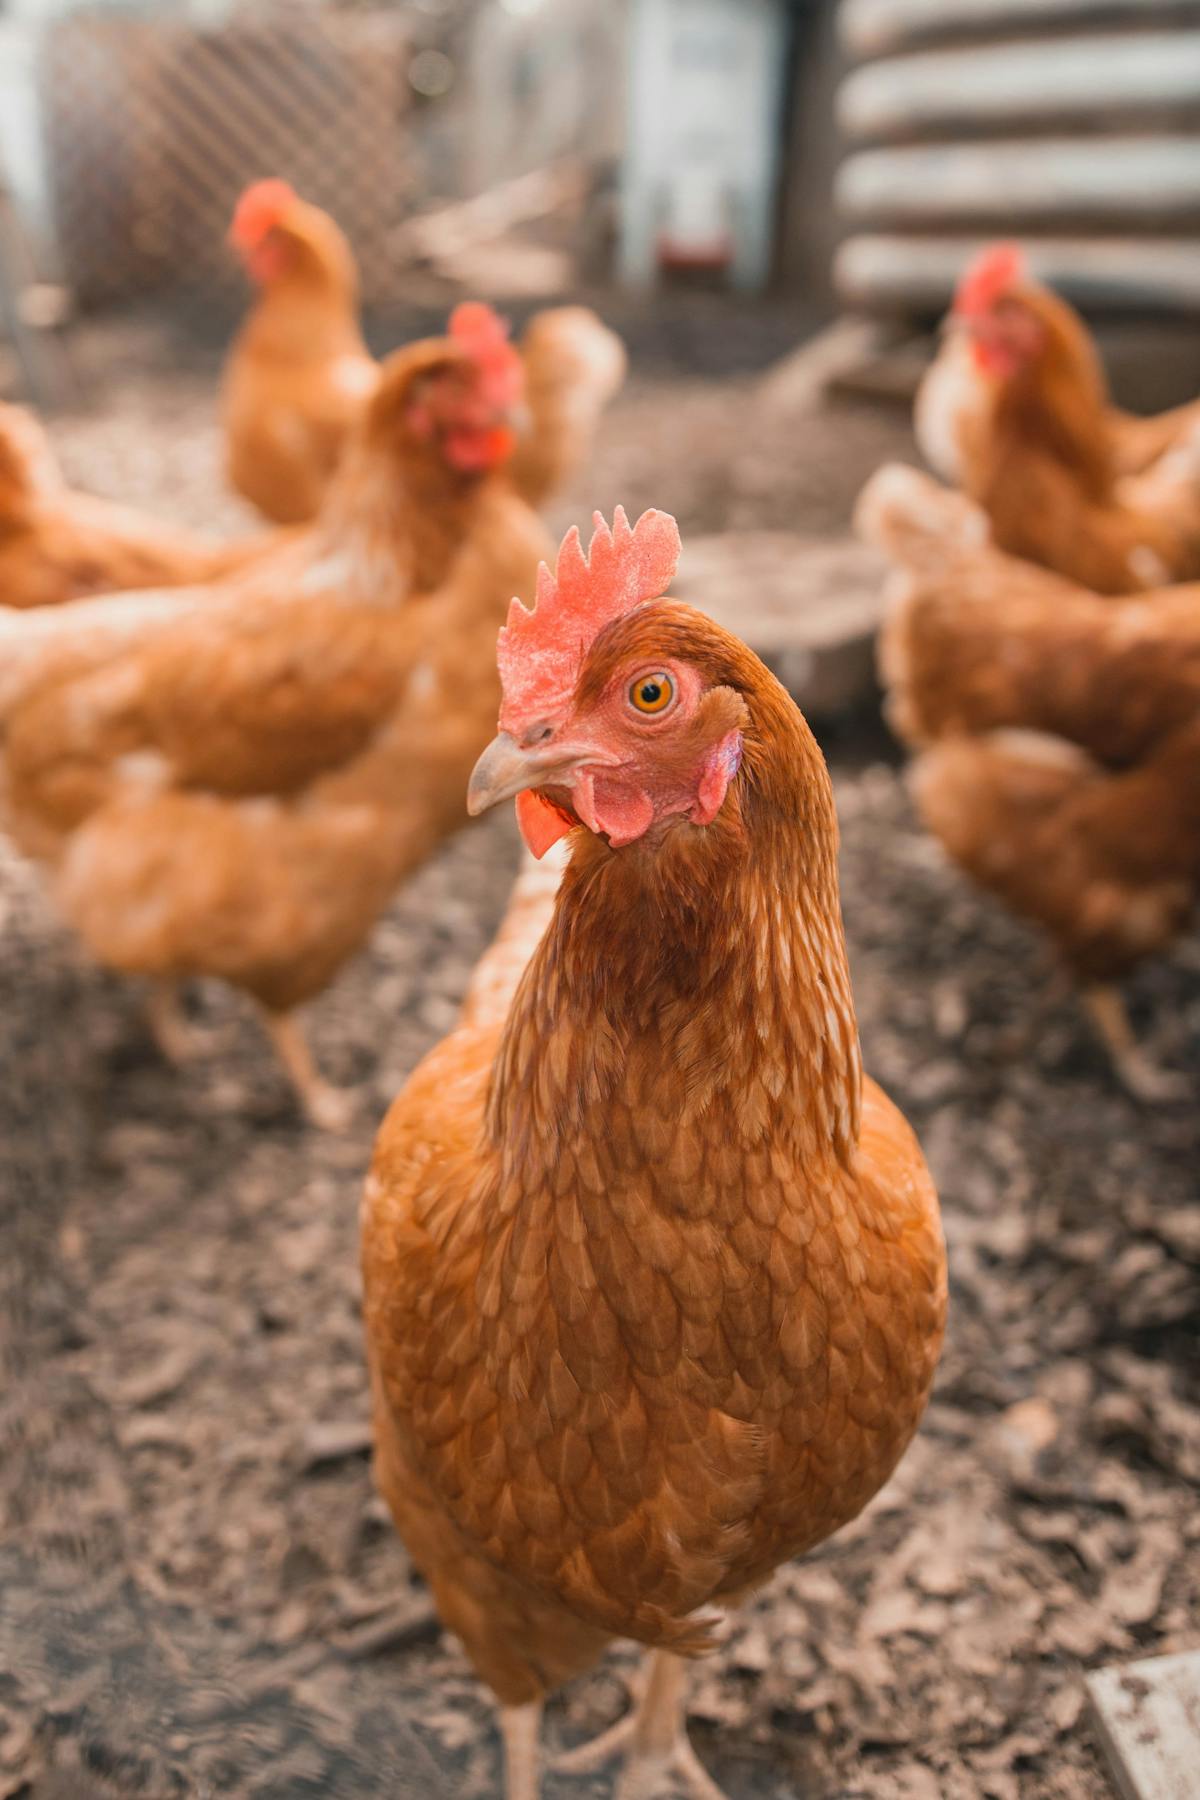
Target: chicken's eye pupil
x=652, y=693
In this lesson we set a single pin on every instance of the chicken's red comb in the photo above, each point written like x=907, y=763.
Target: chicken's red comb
x=483, y=334
x=259, y=210
x=988, y=276
x=540, y=650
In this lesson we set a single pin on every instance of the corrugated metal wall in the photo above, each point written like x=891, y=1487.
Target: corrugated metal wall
x=1071, y=124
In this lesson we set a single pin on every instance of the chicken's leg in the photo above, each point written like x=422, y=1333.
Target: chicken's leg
x=177, y=1038
x=327, y=1106
x=520, y=1727
x=1136, y=1071
x=654, y=1737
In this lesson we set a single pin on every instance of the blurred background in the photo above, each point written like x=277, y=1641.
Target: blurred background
x=770, y=201
x=842, y=153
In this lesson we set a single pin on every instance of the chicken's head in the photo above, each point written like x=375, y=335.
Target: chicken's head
x=617, y=713
x=279, y=235
x=461, y=399
x=995, y=305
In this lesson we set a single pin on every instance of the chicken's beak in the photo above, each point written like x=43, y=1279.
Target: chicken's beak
x=505, y=770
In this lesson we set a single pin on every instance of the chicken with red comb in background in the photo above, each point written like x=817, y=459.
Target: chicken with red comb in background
x=298, y=374
x=1058, y=741
x=654, y=1279
x=236, y=790
x=1015, y=411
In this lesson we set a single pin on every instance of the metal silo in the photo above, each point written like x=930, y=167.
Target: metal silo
x=1073, y=125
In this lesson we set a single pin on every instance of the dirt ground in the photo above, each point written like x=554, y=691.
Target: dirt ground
x=199, y=1593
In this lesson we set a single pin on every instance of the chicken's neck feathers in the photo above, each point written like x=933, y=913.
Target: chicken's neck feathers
x=712, y=989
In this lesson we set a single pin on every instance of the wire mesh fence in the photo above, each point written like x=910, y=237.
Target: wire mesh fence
x=153, y=127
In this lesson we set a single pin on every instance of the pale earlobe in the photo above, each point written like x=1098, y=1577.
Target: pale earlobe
x=720, y=769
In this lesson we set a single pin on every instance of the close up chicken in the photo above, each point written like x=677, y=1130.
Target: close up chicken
x=57, y=544
x=654, y=1278
x=299, y=373
x=1015, y=412
x=236, y=789
x=1059, y=734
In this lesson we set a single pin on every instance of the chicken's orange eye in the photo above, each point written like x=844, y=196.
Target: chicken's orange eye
x=652, y=693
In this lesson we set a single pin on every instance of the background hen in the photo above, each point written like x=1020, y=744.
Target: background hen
x=237, y=792
x=56, y=544
x=654, y=1281
x=1014, y=410
x=299, y=373
x=1061, y=739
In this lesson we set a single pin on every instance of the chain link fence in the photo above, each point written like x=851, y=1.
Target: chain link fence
x=154, y=127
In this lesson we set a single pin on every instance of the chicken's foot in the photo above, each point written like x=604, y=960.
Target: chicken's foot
x=654, y=1738
x=1137, y=1071
x=520, y=1727
x=329, y=1107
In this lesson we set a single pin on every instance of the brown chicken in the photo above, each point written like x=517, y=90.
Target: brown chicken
x=654, y=1280
x=1015, y=412
x=299, y=373
x=1061, y=740
x=57, y=544
x=237, y=791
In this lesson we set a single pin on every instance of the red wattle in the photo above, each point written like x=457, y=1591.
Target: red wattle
x=622, y=812
x=540, y=823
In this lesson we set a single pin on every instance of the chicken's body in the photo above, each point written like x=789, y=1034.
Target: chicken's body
x=654, y=1283
x=1060, y=737
x=237, y=791
x=58, y=545
x=1014, y=410
x=1106, y=860
x=299, y=375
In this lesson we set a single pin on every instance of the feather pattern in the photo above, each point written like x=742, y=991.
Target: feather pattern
x=654, y=1283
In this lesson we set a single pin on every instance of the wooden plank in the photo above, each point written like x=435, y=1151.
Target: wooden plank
x=445, y=231
x=1132, y=183
x=1015, y=86
x=915, y=276
x=878, y=27
x=1147, y=1715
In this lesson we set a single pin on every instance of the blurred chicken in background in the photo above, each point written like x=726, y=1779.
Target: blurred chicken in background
x=1059, y=734
x=299, y=374
x=654, y=1279
x=1015, y=411
x=56, y=544
x=236, y=790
